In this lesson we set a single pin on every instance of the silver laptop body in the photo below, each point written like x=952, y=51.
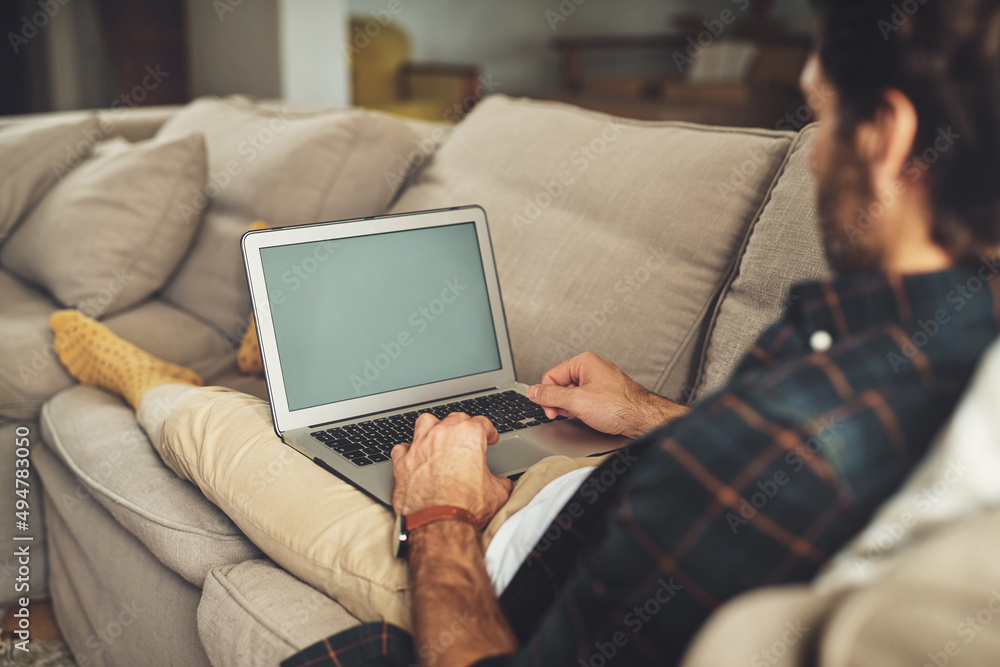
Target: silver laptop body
x=365, y=323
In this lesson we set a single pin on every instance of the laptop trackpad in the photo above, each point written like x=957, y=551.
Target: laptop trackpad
x=513, y=455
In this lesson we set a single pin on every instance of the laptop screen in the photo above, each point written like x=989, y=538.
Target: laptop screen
x=364, y=315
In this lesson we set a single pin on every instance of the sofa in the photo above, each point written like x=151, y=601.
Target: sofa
x=666, y=247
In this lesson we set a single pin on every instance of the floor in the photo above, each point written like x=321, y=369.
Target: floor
x=46, y=648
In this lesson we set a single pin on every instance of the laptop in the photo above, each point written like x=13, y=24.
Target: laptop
x=365, y=324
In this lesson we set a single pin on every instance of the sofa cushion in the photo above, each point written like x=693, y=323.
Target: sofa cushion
x=135, y=123
x=255, y=613
x=131, y=123
x=784, y=247
x=285, y=167
x=940, y=606
x=30, y=373
x=772, y=627
x=170, y=333
x=611, y=235
x=941, y=603
x=115, y=228
x=96, y=436
x=33, y=155
x=254, y=385
x=116, y=604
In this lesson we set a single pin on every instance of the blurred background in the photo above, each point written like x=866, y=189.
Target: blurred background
x=733, y=62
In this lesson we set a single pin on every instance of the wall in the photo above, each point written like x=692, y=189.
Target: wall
x=233, y=47
x=269, y=49
x=80, y=72
x=314, y=69
x=236, y=46
x=785, y=9
x=511, y=39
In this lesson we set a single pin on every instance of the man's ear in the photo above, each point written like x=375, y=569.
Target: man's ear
x=886, y=142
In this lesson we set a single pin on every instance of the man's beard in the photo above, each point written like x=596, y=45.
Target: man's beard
x=850, y=240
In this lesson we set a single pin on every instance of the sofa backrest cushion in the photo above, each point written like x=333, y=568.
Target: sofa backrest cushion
x=783, y=248
x=114, y=229
x=610, y=235
x=284, y=167
x=33, y=155
x=29, y=371
x=132, y=123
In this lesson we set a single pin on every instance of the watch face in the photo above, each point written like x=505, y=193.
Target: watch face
x=401, y=535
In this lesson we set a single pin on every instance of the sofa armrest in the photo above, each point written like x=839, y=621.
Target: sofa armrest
x=941, y=601
x=255, y=613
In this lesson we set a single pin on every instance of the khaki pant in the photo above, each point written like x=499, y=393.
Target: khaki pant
x=316, y=526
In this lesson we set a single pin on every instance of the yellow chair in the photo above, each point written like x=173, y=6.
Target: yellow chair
x=383, y=77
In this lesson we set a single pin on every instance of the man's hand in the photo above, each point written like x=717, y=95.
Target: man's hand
x=446, y=465
x=597, y=392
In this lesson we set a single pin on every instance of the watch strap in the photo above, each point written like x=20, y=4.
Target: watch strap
x=439, y=513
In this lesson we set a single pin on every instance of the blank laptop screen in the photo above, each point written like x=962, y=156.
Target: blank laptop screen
x=370, y=314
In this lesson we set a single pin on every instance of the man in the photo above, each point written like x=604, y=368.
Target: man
x=827, y=414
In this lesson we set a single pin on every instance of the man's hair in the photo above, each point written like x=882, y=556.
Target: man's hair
x=944, y=55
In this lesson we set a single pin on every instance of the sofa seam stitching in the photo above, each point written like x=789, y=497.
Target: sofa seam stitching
x=698, y=385
x=106, y=492
x=720, y=286
x=244, y=604
x=634, y=122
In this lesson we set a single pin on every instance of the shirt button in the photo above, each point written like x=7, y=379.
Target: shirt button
x=820, y=341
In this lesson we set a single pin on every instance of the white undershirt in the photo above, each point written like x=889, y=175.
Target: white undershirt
x=525, y=527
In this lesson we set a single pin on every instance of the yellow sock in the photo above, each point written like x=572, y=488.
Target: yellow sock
x=248, y=358
x=97, y=357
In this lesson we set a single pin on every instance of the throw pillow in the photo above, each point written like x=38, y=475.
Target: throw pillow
x=611, y=235
x=33, y=155
x=784, y=247
x=287, y=167
x=113, y=231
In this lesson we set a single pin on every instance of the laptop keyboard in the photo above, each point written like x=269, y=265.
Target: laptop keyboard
x=368, y=442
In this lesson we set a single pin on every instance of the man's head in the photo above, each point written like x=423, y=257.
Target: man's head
x=908, y=152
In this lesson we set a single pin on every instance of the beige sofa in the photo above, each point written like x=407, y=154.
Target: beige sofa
x=665, y=247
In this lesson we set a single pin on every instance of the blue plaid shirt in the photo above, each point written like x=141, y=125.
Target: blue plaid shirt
x=762, y=483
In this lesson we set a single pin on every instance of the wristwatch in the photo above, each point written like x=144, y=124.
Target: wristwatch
x=405, y=524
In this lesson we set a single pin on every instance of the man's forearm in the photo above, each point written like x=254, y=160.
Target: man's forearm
x=457, y=616
x=653, y=411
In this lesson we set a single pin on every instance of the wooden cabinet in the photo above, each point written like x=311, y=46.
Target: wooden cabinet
x=147, y=46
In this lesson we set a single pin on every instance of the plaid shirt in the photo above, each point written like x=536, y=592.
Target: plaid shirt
x=762, y=483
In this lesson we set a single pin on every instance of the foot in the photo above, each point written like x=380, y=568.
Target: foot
x=97, y=357
x=248, y=359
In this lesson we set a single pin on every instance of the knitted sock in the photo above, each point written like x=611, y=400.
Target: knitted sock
x=97, y=357
x=248, y=358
